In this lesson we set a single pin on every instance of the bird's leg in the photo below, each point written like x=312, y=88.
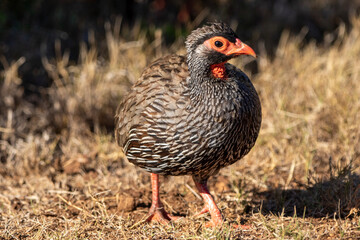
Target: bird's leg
x=157, y=212
x=210, y=205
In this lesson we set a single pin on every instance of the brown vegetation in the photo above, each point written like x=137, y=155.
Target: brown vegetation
x=63, y=177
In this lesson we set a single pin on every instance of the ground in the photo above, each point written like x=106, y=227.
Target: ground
x=62, y=175
x=97, y=205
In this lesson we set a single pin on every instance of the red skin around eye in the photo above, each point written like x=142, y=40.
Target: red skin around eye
x=228, y=48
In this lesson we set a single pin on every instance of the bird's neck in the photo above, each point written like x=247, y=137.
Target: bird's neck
x=206, y=80
x=202, y=70
x=199, y=69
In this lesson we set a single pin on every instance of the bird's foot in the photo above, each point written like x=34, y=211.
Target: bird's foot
x=216, y=219
x=160, y=215
x=217, y=222
x=203, y=211
x=214, y=223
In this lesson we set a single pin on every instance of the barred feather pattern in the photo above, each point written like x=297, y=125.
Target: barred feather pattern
x=173, y=124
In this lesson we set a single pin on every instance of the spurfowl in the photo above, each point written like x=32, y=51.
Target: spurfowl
x=191, y=115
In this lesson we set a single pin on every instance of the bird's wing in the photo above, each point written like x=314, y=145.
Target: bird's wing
x=157, y=100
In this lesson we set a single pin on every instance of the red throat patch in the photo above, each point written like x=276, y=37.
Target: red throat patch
x=218, y=70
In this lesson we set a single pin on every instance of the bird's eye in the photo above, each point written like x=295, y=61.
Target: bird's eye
x=218, y=44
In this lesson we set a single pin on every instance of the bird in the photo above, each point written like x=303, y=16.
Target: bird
x=191, y=115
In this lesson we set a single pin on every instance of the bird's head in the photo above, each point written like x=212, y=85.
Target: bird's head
x=214, y=44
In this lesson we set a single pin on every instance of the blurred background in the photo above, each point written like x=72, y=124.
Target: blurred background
x=30, y=28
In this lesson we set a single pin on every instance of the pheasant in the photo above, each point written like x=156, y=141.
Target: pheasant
x=191, y=115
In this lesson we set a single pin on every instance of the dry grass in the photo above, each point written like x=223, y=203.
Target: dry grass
x=63, y=177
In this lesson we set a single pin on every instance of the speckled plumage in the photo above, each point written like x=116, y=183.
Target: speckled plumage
x=181, y=120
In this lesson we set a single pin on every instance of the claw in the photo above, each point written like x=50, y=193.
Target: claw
x=161, y=216
x=203, y=211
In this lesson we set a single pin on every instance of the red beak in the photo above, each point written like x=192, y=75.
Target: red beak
x=240, y=48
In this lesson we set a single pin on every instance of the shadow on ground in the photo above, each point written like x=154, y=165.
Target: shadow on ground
x=339, y=196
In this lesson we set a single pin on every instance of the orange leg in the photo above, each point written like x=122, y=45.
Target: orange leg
x=157, y=212
x=210, y=205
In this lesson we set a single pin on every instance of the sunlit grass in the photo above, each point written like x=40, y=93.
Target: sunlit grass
x=63, y=175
